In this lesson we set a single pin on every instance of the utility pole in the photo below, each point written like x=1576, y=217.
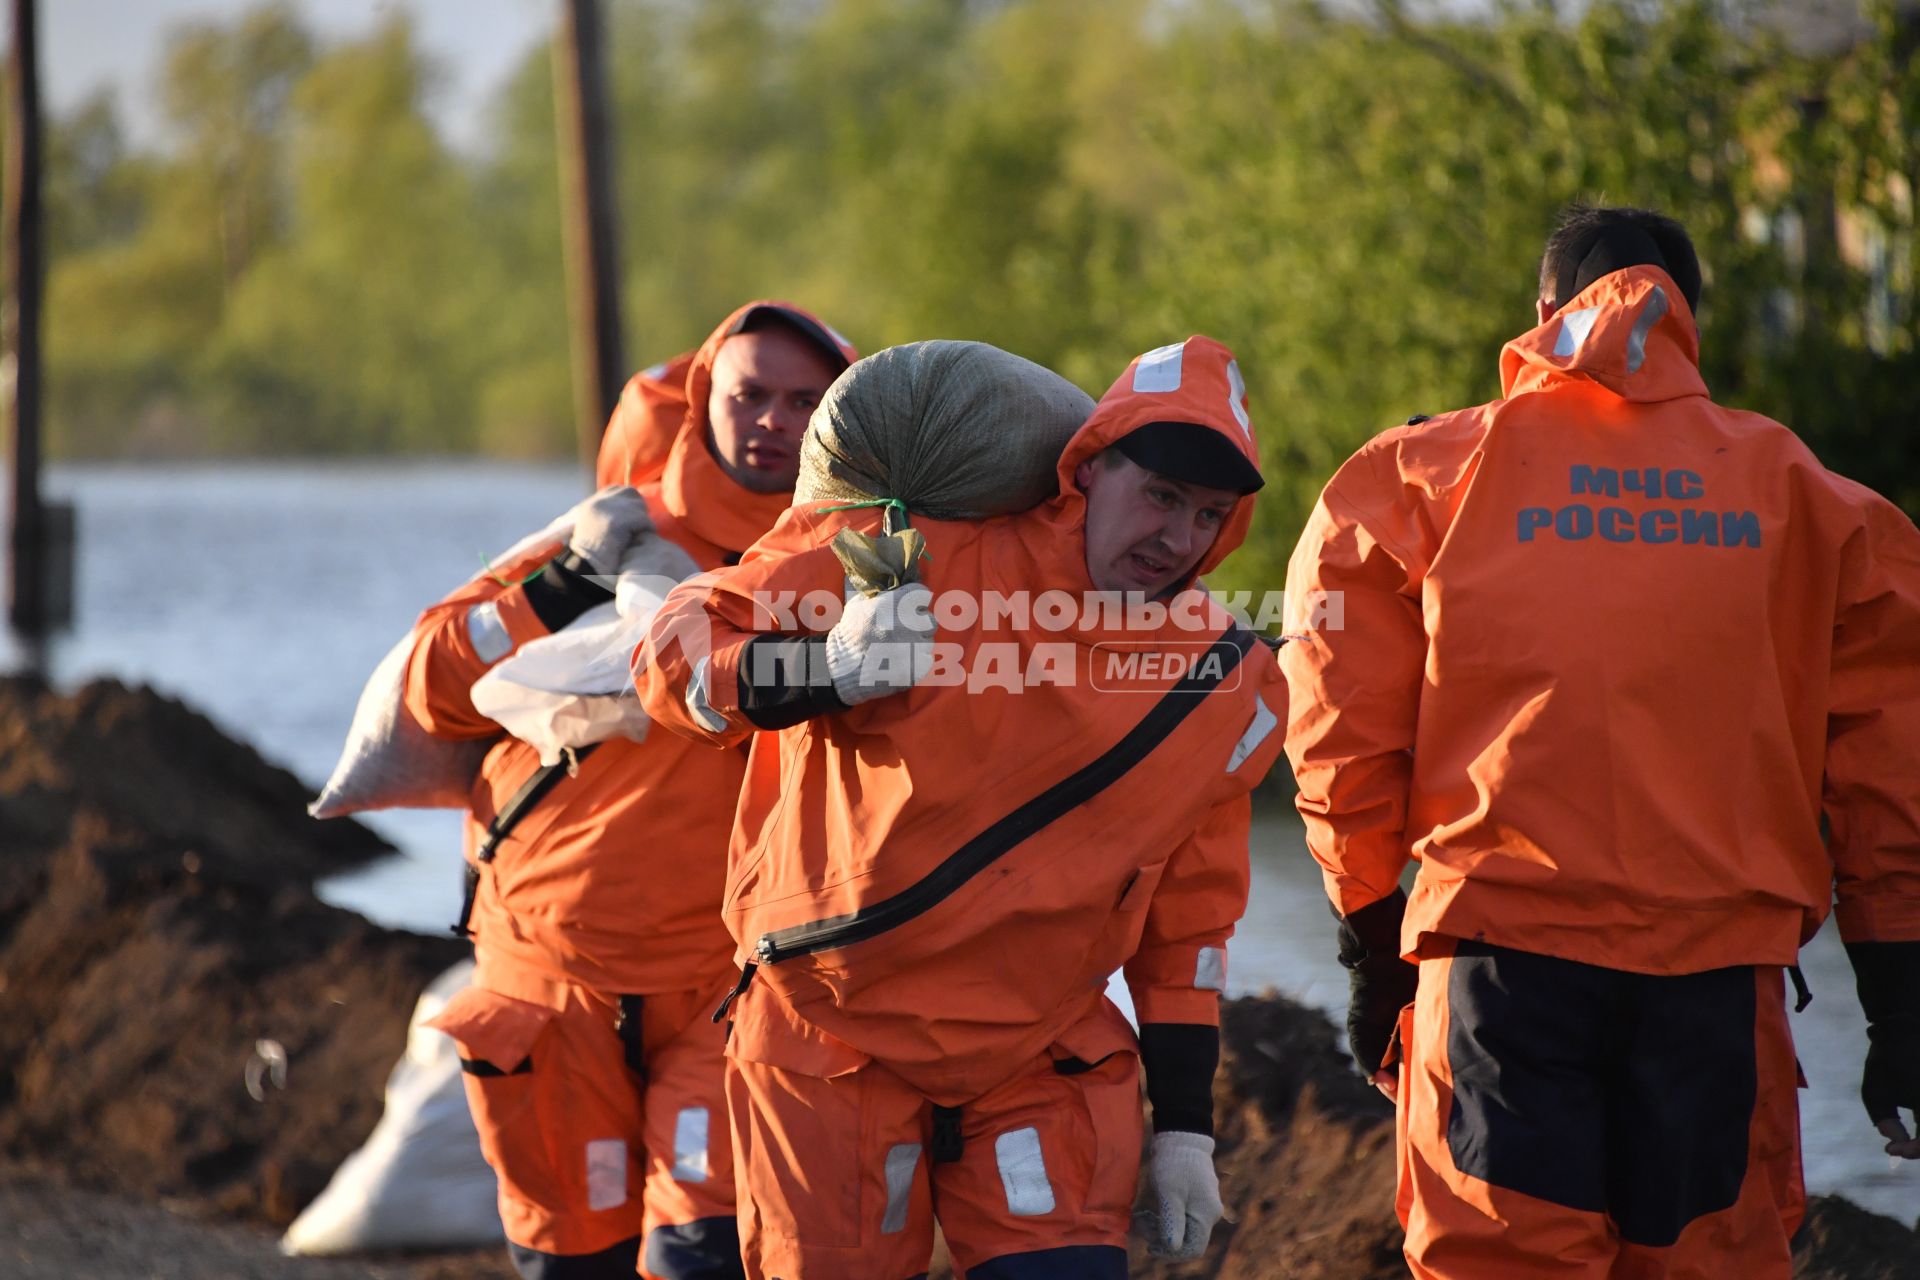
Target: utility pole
x=39, y=535
x=588, y=218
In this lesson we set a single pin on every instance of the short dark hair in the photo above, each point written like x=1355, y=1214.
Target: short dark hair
x=1591, y=241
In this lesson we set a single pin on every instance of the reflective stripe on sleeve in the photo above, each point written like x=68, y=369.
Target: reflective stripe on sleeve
x=1210, y=970
x=1263, y=723
x=488, y=633
x=699, y=702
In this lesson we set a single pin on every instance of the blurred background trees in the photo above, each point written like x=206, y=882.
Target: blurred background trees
x=1353, y=198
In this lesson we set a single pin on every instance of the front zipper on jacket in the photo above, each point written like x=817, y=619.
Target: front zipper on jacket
x=1010, y=831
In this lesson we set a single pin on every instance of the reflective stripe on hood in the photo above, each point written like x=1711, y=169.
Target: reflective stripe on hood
x=1630, y=331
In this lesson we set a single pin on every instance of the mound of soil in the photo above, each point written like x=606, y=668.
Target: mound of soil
x=161, y=946
x=1304, y=1148
x=149, y=764
x=1842, y=1241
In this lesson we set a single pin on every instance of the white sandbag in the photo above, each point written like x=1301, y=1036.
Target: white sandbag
x=419, y=1181
x=389, y=761
x=651, y=568
x=568, y=689
x=574, y=687
x=954, y=430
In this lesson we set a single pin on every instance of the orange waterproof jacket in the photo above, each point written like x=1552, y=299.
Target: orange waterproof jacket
x=857, y=876
x=1610, y=652
x=612, y=879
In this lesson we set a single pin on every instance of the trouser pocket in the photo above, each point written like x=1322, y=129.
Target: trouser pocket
x=1109, y=1093
x=499, y=1039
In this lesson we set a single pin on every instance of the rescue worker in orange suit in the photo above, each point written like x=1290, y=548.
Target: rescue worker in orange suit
x=1609, y=655
x=593, y=1072
x=931, y=880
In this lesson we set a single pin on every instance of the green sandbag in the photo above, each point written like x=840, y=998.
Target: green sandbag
x=952, y=430
x=880, y=562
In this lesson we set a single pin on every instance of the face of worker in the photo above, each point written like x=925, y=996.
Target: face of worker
x=1145, y=531
x=765, y=387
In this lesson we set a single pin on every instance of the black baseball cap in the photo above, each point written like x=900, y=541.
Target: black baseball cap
x=1192, y=453
x=757, y=318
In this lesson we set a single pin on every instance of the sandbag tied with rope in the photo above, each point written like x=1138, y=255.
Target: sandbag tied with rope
x=944, y=429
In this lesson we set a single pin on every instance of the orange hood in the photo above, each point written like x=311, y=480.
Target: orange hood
x=640, y=435
x=693, y=485
x=1630, y=331
x=1196, y=381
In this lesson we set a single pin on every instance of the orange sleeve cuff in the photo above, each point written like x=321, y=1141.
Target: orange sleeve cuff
x=723, y=678
x=1177, y=1004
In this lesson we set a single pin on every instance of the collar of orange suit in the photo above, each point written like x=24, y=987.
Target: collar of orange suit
x=1630, y=332
x=1195, y=381
x=694, y=486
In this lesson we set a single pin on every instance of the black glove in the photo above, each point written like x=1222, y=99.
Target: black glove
x=1380, y=984
x=1888, y=975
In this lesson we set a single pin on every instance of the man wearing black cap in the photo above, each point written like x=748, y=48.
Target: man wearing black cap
x=1611, y=657
x=936, y=868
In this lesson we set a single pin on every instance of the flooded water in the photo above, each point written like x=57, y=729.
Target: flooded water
x=263, y=595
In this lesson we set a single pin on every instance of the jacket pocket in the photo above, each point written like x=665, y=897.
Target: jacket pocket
x=495, y=1033
x=1119, y=935
x=1138, y=889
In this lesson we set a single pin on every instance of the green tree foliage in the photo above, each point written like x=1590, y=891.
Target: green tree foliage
x=135, y=304
x=368, y=321
x=1354, y=199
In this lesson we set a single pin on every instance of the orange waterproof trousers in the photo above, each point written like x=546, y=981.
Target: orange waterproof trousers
x=845, y=1167
x=606, y=1144
x=1560, y=1120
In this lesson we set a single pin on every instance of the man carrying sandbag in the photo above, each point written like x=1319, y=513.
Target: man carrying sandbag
x=1612, y=656
x=593, y=1072
x=958, y=834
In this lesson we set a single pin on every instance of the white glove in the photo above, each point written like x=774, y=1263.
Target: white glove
x=1186, y=1194
x=606, y=524
x=882, y=644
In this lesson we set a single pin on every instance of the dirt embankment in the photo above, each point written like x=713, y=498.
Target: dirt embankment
x=1305, y=1155
x=157, y=924
x=158, y=927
